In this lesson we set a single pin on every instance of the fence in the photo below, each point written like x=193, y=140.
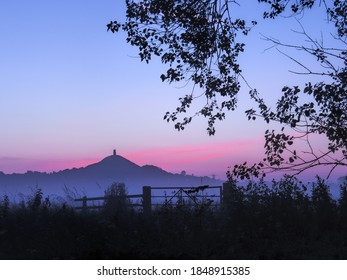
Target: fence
x=147, y=196
x=192, y=194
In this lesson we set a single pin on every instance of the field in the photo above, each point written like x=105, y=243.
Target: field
x=281, y=221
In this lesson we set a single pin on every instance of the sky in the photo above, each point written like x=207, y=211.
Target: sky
x=71, y=92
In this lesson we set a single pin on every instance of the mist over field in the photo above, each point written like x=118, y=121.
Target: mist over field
x=93, y=179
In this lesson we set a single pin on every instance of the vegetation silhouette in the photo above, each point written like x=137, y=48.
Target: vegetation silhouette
x=282, y=220
x=201, y=41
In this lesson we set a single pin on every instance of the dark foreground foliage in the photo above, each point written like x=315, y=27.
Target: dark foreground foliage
x=282, y=221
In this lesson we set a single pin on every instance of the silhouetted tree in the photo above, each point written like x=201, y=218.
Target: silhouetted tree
x=342, y=203
x=35, y=201
x=200, y=41
x=116, y=200
x=323, y=204
x=5, y=206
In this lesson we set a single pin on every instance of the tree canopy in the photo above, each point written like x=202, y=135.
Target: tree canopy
x=200, y=42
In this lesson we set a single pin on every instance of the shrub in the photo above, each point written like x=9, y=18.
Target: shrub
x=116, y=200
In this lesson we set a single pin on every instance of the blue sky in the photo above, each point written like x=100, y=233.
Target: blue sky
x=70, y=93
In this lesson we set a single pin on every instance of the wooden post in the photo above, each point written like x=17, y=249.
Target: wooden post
x=84, y=203
x=227, y=193
x=147, y=200
x=220, y=197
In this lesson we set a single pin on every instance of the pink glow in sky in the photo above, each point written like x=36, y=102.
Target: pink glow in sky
x=22, y=165
x=200, y=159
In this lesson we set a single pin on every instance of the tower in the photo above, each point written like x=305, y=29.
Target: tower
x=114, y=152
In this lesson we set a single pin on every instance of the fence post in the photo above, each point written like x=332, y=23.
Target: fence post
x=84, y=203
x=147, y=200
x=227, y=193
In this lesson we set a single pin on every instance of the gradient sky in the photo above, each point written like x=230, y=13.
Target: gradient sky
x=70, y=92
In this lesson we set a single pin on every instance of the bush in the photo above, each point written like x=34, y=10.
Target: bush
x=116, y=202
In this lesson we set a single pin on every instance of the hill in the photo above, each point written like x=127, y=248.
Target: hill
x=95, y=178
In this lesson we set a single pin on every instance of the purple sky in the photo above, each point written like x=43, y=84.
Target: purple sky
x=70, y=93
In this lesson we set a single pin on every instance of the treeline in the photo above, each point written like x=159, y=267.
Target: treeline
x=258, y=221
